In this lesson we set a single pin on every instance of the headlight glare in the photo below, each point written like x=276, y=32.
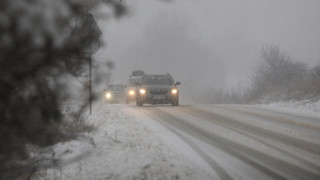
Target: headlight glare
x=108, y=95
x=142, y=91
x=174, y=91
x=131, y=92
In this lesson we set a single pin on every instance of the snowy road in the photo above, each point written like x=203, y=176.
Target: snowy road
x=238, y=142
x=189, y=142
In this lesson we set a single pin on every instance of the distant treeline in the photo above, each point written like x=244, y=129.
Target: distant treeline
x=276, y=78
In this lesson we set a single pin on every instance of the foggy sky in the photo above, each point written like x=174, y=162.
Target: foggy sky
x=220, y=42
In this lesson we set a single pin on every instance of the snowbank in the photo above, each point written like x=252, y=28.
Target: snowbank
x=119, y=148
x=306, y=108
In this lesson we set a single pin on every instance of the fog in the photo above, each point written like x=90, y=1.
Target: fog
x=208, y=44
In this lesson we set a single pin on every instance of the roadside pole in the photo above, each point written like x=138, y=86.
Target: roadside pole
x=91, y=49
x=90, y=87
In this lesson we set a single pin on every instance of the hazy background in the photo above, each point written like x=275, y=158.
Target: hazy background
x=208, y=44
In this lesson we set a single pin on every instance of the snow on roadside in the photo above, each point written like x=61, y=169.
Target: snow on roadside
x=306, y=108
x=120, y=148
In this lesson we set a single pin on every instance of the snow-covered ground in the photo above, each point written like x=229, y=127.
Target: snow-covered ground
x=306, y=107
x=119, y=148
x=192, y=142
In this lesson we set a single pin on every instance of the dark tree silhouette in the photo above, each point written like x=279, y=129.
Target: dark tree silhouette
x=41, y=42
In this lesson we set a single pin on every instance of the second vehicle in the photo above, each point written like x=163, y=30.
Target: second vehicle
x=116, y=93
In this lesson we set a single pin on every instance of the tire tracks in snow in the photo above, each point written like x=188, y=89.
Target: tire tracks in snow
x=212, y=139
x=310, y=123
x=213, y=164
x=265, y=163
x=284, y=139
x=225, y=122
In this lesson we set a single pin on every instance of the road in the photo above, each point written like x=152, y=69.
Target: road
x=239, y=141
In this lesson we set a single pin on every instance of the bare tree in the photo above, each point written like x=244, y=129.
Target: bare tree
x=277, y=72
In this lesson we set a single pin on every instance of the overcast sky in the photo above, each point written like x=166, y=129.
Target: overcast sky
x=217, y=41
